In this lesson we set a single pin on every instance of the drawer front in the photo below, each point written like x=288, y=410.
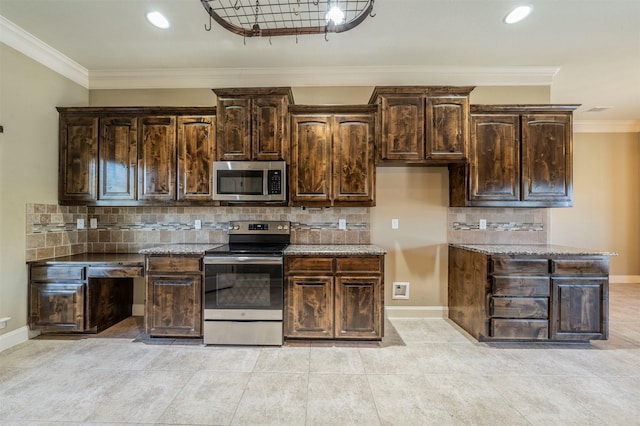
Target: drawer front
x=521, y=286
x=308, y=264
x=177, y=264
x=504, y=266
x=56, y=273
x=358, y=264
x=520, y=307
x=581, y=267
x=114, y=271
x=529, y=329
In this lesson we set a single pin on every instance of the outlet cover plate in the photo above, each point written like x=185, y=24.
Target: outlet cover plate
x=400, y=290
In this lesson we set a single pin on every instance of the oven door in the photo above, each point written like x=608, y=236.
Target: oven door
x=245, y=288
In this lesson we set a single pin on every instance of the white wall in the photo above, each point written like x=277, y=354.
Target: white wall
x=29, y=93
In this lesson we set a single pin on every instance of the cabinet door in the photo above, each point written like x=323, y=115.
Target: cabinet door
x=353, y=162
x=196, y=145
x=402, y=127
x=579, y=308
x=494, y=160
x=309, y=307
x=57, y=307
x=174, y=305
x=547, y=158
x=268, y=128
x=311, y=161
x=358, y=307
x=118, y=158
x=156, y=177
x=78, y=159
x=233, y=129
x=447, y=128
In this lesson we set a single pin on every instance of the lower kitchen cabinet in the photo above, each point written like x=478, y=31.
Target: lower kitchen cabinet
x=549, y=297
x=79, y=297
x=173, y=305
x=329, y=297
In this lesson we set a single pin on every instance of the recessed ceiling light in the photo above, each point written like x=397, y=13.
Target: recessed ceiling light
x=518, y=14
x=158, y=20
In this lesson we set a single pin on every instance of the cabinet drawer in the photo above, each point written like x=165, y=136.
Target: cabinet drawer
x=520, y=307
x=309, y=264
x=596, y=267
x=503, y=266
x=177, y=264
x=55, y=273
x=521, y=286
x=358, y=264
x=114, y=271
x=520, y=329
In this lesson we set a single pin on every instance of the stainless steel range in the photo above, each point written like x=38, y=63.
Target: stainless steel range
x=244, y=285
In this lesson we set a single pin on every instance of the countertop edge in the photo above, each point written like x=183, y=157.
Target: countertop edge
x=530, y=249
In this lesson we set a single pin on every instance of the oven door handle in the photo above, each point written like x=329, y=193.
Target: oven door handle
x=242, y=260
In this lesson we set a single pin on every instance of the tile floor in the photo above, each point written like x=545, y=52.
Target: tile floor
x=430, y=372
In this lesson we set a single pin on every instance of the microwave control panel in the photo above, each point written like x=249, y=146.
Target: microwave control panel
x=275, y=182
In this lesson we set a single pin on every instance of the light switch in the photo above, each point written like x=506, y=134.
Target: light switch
x=394, y=223
x=198, y=224
x=80, y=224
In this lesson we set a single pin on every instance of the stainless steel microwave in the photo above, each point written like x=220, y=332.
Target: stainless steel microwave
x=245, y=181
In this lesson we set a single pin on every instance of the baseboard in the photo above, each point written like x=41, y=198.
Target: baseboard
x=137, y=310
x=14, y=337
x=624, y=279
x=416, y=311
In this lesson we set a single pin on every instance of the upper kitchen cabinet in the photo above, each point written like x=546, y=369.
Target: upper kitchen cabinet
x=251, y=123
x=422, y=124
x=196, y=147
x=136, y=156
x=520, y=156
x=332, y=160
x=77, y=183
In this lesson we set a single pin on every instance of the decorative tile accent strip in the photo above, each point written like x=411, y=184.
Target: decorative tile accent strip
x=51, y=230
x=504, y=226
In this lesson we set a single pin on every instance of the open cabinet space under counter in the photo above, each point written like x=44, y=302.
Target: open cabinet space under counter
x=544, y=293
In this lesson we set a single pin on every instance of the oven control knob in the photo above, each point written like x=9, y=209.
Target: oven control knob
x=280, y=228
x=236, y=227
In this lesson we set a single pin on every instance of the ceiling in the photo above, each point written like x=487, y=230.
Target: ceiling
x=588, y=51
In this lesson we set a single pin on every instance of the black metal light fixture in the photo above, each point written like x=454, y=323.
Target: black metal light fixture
x=267, y=18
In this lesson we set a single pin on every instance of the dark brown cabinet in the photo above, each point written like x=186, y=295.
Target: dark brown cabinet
x=69, y=296
x=77, y=182
x=562, y=297
x=251, y=123
x=329, y=297
x=118, y=158
x=520, y=156
x=332, y=161
x=423, y=124
x=136, y=156
x=173, y=305
x=196, y=147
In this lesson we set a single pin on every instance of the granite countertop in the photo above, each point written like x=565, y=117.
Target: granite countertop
x=531, y=249
x=179, y=249
x=94, y=259
x=334, y=249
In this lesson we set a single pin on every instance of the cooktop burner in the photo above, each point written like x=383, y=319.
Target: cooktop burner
x=255, y=237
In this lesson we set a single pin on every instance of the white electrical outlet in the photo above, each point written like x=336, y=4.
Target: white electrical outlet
x=483, y=224
x=80, y=224
x=400, y=290
x=197, y=224
x=93, y=223
x=342, y=223
x=394, y=223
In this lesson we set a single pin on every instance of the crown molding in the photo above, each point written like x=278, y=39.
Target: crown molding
x=606, y=126
x=320, y=76
x=32, y=47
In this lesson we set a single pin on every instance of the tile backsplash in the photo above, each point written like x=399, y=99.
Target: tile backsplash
x=129, y=229
x=503, y=225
